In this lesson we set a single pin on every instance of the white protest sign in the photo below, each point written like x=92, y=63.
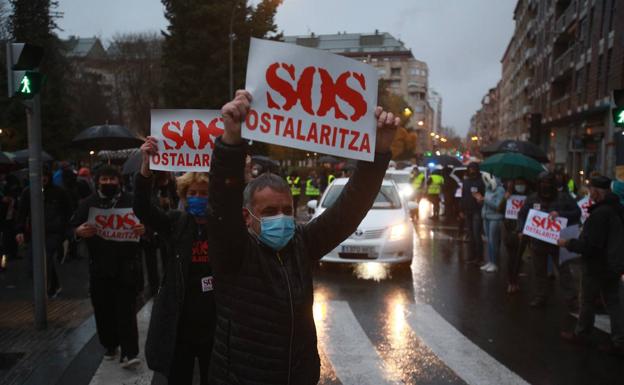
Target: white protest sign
x=114, y=224
x=185, y=139
x=311, y=100
x=514, y=204
x=571, y=232
x=584, y=204
x=540, y=225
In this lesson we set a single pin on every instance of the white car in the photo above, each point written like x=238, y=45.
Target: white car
x=403, y=180
x=385, y=235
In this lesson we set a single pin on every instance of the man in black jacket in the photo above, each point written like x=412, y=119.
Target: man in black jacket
x=603, y=233
x=114, y=271
x=57, y=209
x=473, y=191
x=263, y=262
x=557, y=204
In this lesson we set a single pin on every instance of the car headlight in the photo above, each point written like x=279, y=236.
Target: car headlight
x=398, y=232
x=406, y=191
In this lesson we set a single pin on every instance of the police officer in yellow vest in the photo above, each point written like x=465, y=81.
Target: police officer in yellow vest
x=417, y=184
x=294, y=182
x=312, y=190
x=434, y=188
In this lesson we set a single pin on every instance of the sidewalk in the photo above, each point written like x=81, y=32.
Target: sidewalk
x=25, y=350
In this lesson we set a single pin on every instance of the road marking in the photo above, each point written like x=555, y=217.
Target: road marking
x=110, y=372
x=352, y=355
x=602, y=322
x=467, y=360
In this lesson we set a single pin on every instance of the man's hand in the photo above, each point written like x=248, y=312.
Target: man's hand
x=234, y=113
x=387, y=125
x=149, y=148
x=139, y=229
x=553, y=214
x=19, y=238
x=562, y=242
x=86, y=230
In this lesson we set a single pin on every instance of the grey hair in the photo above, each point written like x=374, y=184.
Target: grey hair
x=272, y=181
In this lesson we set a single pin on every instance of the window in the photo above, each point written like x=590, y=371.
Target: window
x=611, y=15
x=414, y=72
x=579, y=81
x=395, y=72
x=382, y=72
x=607, y=72
x=599, y=77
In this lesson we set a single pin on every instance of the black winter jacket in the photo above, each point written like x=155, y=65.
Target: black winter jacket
x=110, y=260
x=603, y=232
x=265, y=328
x=468, y=203
x=57, y=209
x=177, y=229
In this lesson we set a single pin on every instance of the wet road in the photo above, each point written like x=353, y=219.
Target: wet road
x=440, y=321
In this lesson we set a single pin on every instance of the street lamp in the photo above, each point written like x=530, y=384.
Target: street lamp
x=91, y=152
x=421, y=123
x=407, y=112
x=432, y=134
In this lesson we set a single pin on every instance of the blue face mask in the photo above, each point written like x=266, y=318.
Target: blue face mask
x=196, y=206
x=276, y=231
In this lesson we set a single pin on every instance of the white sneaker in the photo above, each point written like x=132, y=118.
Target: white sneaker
x=130, y=363
x=486, y=266
x=492, y=268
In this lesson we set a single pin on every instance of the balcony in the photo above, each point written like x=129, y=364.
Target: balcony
x=566, y=18
x=564, y=62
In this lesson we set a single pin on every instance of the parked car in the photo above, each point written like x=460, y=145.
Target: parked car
x=385, y=235
x=403, y=180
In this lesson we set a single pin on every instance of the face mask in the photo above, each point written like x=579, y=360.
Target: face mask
x=196, y=206
x=276, y=231
x=109, y=190
x=520, y=188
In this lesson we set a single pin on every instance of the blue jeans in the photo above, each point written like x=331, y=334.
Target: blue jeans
x=492, y=229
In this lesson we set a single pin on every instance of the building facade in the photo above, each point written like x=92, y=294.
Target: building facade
x=403, y=74
x=558, y=73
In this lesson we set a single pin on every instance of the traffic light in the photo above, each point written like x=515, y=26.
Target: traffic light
x=618, y=110
x=24, y=79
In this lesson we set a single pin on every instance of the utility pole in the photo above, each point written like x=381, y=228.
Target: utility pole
x=24, y=83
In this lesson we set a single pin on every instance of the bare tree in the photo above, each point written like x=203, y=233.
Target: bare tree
x=135, y=60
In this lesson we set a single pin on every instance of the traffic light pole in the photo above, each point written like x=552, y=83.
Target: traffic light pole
x=33, y=114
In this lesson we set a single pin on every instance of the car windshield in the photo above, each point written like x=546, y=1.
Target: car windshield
x=387, y=198
x=399, y=178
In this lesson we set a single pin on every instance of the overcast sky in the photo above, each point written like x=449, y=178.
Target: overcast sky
x=462, y=41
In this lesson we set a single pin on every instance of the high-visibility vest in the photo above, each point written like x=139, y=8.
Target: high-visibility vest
x=311, y=190
x=330, y=178
x=571, y=186
x=295, y=188
x=418, y=181
x=435, y=187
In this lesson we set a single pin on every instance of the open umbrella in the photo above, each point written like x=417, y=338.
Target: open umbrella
x=21, y=156
x=267, y=163
x=525, y=148
x=443, y=160
x=106, y=137
x=328, y=159
x=511, y=165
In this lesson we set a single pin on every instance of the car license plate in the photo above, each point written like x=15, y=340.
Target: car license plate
x=358, y=249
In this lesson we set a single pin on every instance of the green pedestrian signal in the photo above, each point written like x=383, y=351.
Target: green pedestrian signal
x=27, y=84
x=618, y=117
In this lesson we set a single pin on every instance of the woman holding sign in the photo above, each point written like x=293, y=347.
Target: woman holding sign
x=517, y=191
x=183, y=317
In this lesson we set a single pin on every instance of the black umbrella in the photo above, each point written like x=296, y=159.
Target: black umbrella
x=267, y=163
x=443, y=160
x=328, y=159
x=21, y=156
x=106, y=137
x=525, y=148
x=133, y=164
x=7, y=164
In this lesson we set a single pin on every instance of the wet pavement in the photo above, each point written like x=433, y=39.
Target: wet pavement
x=440, y=321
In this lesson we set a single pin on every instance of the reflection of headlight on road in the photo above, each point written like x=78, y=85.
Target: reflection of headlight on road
x=398, y=232
x=406, y=191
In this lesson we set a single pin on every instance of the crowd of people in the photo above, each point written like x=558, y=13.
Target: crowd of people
x=589, y=282
x=229, y=268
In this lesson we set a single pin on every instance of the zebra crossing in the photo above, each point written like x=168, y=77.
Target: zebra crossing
x=351, y=358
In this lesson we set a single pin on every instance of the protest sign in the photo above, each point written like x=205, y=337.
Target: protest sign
x=114, y=224
x=540, y=225
x=311, y=100
x=584, y=204
x=571, y=232
x=514, y=204
x=185, y=139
